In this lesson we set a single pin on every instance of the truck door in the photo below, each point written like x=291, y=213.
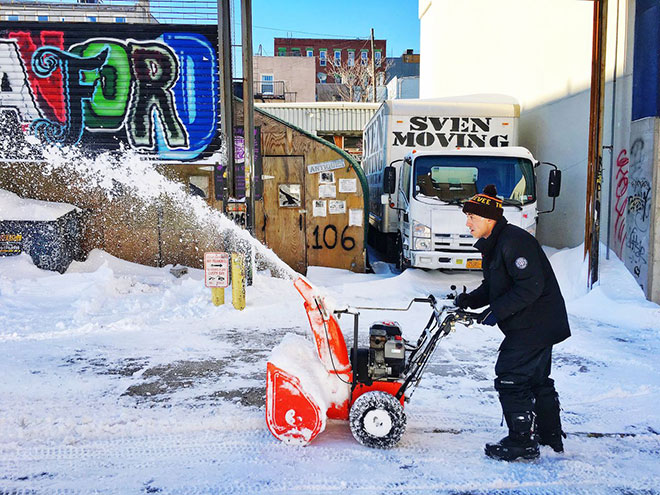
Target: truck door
x=284, y=205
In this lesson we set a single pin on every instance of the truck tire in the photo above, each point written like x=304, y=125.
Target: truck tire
x=401, y=262
x=377, y=420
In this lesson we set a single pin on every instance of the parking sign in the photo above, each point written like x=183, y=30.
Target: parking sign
x=216, y=269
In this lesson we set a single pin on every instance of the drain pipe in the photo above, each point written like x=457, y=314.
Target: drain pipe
x=611, y=147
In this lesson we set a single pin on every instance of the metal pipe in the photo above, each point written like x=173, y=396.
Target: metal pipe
x=248, y=109
x=612, y=149
x=226, y=98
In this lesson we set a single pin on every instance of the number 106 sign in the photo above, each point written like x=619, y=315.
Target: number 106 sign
x=216, y=269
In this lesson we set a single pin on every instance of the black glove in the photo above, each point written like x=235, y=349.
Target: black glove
x=487, y=317
x=462, y=300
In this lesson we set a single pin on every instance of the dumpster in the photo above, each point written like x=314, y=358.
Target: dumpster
x=50, y=233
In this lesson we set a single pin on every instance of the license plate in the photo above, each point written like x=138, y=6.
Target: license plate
x=474, y=264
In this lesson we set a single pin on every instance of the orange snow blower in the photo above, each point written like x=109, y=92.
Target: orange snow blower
x=304, y=387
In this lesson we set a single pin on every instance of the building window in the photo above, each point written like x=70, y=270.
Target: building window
x=363, y=57
x=42, y=18
x=337, y=78
x=281, y=52
x=120, y=20
x=377, y=57
x=295, y=52
x=323, y=77
x=12, y=17
x=91, y=18
x=351, y=58
x=322, y=57
x=267, y=85
x=337, y=58
x=310, y=52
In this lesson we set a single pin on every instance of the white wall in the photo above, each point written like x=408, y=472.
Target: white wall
x=539, y=52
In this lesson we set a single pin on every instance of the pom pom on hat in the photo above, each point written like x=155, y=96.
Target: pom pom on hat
x=490, y=190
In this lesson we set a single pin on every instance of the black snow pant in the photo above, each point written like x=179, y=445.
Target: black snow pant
x=523, y=383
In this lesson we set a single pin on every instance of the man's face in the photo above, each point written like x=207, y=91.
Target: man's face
x=479, y=226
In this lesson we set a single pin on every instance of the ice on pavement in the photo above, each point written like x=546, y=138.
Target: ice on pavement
x=120, y=378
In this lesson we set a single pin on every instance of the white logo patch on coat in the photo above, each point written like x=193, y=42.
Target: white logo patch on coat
x=521, y=263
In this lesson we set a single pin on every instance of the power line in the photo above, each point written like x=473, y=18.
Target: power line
x=306, y=32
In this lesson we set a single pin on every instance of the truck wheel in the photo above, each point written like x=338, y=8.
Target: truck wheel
x=377, y=420
x=401, y=262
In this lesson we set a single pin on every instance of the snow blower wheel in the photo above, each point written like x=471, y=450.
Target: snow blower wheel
x=377, y=420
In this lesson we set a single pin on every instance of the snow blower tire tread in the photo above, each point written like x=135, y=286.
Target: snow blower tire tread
x=377, y=406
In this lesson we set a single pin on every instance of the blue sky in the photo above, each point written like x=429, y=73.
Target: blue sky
x=393, y=20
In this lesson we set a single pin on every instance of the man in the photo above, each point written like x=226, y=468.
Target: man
x=525, y=302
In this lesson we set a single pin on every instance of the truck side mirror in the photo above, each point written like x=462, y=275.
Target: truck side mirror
x=554, y=183
x=389, y=180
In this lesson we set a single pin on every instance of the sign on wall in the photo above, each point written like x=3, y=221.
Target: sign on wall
x=150, y=88
x=241, y=175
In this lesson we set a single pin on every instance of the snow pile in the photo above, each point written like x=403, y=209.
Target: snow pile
x=609, y=299
x=13, y=207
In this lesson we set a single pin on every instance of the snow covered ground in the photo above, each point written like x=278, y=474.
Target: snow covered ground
x=121, y=378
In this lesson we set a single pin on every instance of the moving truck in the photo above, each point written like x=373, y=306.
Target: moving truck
x=424, y=158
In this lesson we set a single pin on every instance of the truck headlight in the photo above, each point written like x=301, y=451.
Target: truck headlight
x=422, y=244
x=421, y=230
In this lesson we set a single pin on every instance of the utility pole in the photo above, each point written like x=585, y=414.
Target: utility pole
x=226, y=100
x=248, y=109
x=595, y=157
x=373, y=65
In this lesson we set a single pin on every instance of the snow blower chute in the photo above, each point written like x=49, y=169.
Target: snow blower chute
x=305, y=386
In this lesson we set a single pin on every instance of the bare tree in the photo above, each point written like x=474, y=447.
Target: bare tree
x=353, y=82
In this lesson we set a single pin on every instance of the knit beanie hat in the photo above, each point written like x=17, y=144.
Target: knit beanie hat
x=486, y=204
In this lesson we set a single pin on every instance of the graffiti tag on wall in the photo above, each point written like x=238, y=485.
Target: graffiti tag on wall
x=621, y=194
x=637, y=208
x=157, y=95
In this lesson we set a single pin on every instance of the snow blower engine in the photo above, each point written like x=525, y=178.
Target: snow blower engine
x=365, y=386
x=386, y=356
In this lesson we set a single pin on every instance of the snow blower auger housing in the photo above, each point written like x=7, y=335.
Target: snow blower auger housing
x=366, y=386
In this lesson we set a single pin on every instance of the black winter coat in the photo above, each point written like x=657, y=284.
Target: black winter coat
x=521, y=288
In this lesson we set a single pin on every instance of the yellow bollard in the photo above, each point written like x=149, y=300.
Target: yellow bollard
x=218, y=295
x=238, y=281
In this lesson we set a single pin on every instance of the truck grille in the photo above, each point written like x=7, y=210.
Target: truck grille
x=454, y=243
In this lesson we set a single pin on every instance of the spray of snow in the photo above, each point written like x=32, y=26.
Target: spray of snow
x=126, y=172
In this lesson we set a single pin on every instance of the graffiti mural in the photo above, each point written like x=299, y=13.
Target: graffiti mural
x=638, y=202
x=155, y=93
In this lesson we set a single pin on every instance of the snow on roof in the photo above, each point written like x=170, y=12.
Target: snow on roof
x=487, y=105
x=13, y=207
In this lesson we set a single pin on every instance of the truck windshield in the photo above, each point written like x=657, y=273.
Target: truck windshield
x=457, y=178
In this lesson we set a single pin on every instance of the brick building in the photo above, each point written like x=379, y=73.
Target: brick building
x=330, y=51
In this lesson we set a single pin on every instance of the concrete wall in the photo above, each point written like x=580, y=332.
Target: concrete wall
x=641, y=232
x=298, y=74
x=540, y=53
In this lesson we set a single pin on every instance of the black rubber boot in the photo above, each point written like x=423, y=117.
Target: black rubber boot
x=548, y=423
x=520, y=443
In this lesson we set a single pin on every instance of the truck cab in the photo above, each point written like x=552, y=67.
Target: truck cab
x=427, y=191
